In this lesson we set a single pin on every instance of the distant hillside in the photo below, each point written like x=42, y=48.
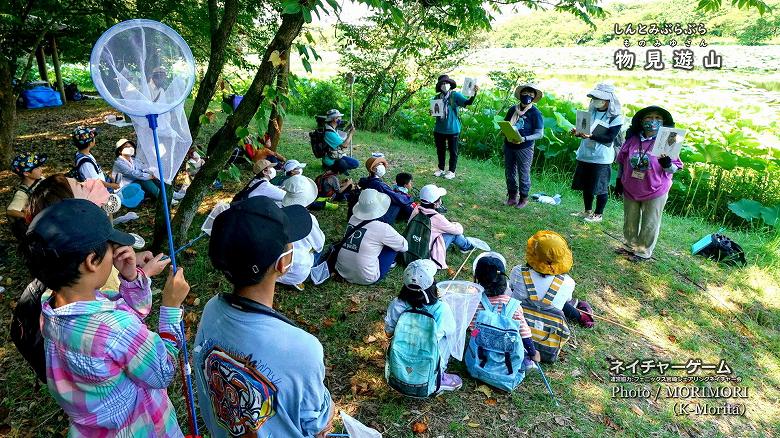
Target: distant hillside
x=729, y=25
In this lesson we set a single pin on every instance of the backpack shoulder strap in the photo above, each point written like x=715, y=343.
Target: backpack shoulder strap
x=352, y=231
x=510, y=308
x=552, y=291
x=529, y=284
x=486, y=303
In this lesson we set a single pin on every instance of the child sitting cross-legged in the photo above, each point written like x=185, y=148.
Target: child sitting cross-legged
x=105, y=368
x=421, y=327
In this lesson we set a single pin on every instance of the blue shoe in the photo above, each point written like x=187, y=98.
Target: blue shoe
x=217, y=185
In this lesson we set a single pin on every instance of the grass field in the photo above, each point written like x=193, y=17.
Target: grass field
x=684, y=307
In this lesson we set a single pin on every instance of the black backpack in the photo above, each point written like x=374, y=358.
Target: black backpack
x=723, y=249
x=317, y=137
x=418, y=234
x=244, y=193
x=26, y=328
x=72, y=93
x=74, y=171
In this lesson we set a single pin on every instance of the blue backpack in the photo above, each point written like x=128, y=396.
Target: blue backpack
x=413, y=367
x=495, y=352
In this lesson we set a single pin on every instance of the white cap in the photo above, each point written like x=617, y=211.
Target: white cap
x=431, y=193
x=291, y=165
x=419, y=274
x=332, y=115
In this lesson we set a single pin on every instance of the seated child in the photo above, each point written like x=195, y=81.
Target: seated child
x=105, y=368
x=403, y=184
x=419, y=292
x=548, y=257
x=85, y=164
x=443, y=232
x=490, y=273
x=331, y=189
x=28, y=168
x=248, y=357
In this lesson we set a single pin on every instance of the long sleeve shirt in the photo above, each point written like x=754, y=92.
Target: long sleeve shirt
x=530, y=126
x=642, y=175
x=440, y=225
x=126, y=172
x=403, y=201
x=106, y=369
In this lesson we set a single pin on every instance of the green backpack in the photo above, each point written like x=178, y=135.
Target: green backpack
x=418, y=236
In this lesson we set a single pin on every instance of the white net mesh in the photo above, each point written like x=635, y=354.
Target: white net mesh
x=356, y=429
x=144, y=67
x=463, y=298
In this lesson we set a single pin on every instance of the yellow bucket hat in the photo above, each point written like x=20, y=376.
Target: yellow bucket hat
x=548, y=253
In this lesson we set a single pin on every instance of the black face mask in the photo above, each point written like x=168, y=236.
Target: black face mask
x=341, y=124
x=525, y=100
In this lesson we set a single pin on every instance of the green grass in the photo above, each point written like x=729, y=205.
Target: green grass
x=660, y=299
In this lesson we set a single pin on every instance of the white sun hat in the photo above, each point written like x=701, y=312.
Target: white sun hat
x=371, y=205
x=301, y=190
x=432, y=193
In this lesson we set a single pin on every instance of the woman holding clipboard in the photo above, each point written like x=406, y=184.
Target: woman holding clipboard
x=644, y=180
x=598, y=127
x=526, y=119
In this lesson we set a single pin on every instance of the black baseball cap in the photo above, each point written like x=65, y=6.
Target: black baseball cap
x=251, y=235
x=73, y=226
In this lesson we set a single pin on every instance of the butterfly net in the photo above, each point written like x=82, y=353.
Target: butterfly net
x=143, y=67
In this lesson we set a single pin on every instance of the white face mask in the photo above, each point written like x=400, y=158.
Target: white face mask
x=598, y=103
x=445, y=88
x=380, y=170
x=128, y=152
x=271, y=173
x=284, y=268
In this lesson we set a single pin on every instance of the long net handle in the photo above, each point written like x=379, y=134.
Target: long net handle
x=186, y=371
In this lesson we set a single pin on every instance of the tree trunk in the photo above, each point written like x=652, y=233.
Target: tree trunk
x=224, y=140
x=220, y=36
x=55, y=59
x=374, y=91
x=398, y=104
x=7, y=110
x=276, y=121
x=40, y=56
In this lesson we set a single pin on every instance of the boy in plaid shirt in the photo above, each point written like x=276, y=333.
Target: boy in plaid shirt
x=104, y=367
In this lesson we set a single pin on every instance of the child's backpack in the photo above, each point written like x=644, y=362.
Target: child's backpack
x=317, y=137
x=320, y=180
x=26, y=328
x=418, y=235
x=75, y=171
x=495, y=352
x=549, y=330
x=249, y=188
x=413, y=366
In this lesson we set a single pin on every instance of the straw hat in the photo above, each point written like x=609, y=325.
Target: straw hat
x=261, y=165
x=301, y=190
x=538, y=94
x=371, y=205
x=548, y=253
x=372, y=162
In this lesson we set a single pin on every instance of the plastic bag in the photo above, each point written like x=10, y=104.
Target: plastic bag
x=356, y=429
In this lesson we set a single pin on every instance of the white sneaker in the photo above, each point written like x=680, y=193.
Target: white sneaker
x=594, y=218
x=438, y=172
x=449, y=175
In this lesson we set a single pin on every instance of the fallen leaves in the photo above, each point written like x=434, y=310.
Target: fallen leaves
x=328, y=322
x=672, y=339
x=419, y=427
x=611, y=424
x=491, y=401
x=484, y=389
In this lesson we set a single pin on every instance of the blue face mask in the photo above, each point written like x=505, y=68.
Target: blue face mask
x=651, y=125
x=525, y=100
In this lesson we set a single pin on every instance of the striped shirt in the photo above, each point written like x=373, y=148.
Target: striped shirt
x=500, y=301
x=105, y=368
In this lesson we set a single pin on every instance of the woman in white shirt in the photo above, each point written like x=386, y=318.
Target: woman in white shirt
x=301, y=190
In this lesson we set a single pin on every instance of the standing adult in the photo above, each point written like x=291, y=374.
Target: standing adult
x=644, y=181
x=336, y=159
x=518, y=155
x=596, y=154
x=369, y=253
x=447, y=128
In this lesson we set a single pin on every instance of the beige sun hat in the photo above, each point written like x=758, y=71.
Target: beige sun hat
x=538, y=93
x=301, y=190
x=261, y=165
x=371, y=205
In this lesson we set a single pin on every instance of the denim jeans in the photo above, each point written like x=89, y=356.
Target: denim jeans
x=386, y=258
x=345, y=163
x=460, y=241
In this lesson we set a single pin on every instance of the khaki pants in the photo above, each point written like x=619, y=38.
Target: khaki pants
x=642, y=223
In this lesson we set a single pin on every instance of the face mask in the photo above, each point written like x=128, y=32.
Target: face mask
x=340, y=124
x=651, y=125
x=284, y=254
x=525, y=100
x=380, y=170
x=128, y=152
x=598, y=103
x=96, y=192
x=445, y=88
x=271, y=173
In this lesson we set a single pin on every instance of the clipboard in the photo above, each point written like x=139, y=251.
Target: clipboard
x=509, y=131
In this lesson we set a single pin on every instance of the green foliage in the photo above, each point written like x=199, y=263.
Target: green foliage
x=759, y=32
x=317, y=97
x=748, y=209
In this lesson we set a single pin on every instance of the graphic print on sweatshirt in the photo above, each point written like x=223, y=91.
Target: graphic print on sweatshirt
x=242, y=398
x=353, y=243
